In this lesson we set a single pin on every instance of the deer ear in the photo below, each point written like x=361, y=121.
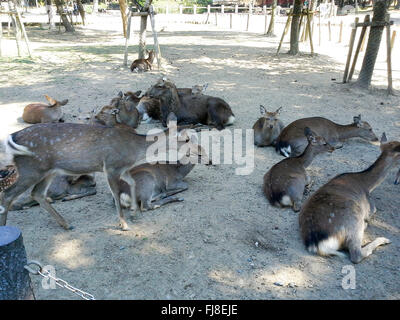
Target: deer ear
x=278, y=111
x=357, y=119
x=263, y=111
x=384, y=138
x=50, y=100
x=120, y=94
x=137, y=93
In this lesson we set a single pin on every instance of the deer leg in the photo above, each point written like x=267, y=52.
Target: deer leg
x=358, y=253
x=132, y=185
x=39, y=194
x=113, y=182
x=164, y=201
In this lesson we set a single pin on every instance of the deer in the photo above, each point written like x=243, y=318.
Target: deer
x=267, y=128
x=42, y=151
x=43, y=113
x=8, y=176
x=64, y=188
x=292, y=142
x=156, y=184
x=285, y=183
x=336, y=215
x=121, y=110
x=140, y=65
x=191, y=108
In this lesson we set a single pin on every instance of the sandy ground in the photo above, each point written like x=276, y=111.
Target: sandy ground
x=204, y=247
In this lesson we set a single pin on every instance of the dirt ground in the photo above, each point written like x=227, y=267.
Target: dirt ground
x=204, y=247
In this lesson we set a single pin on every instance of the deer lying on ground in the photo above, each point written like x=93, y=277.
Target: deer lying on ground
x=43, y=113
x=285, y=182
x=121, y=110
x=336, y=215
x=8, y=176
x=191, y=108
x=156, y=184
x=64, y=188
x=140, y=65
x=292, y=142
x=150, y=108
x=267, y=128
x=42, y=151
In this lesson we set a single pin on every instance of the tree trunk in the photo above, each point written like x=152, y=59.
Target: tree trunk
x=142, y=33
x=50, y=14
x=270, y=32
x=81, y=10
x=64, y=18
x=123, y=8
x=374, y=41
x=294, y=30
x=95, y=6
x=15, y=283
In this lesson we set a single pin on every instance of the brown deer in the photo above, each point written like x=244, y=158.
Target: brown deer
x=140, y=65
x=292, y=142
x=336, y=215
x=156, y=184
x=64, y=188
x=285, y=182
x=42, y=151
x=267, y=128
x=43, y=113
x=191, y=108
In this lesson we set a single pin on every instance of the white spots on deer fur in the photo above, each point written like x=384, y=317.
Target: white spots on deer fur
x=2, y=210
x=286, y=201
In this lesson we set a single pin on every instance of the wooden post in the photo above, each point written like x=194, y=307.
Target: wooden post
x=309, y=31
x=319, y=28
x=340, y=31
x=230, y=20
x=389, y=55
x=180, y=9
x=156, y=44
x=21, y=24
x=289, y=19
x=363, y=43
x=351, y=44
x=236, y=9
x=17, y=33
x=362, y=35
x=15, y=283
x=264, y=9
x=208, y=9
x=222, y=9
x=248, y=21
x=300, y=23
x=128, y=35
x=194, y=9
x=142, y=32
x=266, y=22
x=216, y=18
x=392, y=39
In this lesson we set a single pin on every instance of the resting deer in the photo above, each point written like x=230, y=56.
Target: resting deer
x=156, y=184
x=121, y=110
x=292, y=142
x=191, y=108
x=64, y=188
x=285, y=182
x=336, y=215
x=267, y=128
x=140, y=65
x=43, y=113
x=42, y=151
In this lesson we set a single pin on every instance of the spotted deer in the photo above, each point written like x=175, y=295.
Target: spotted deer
x=292, y=142
x=285, y=182
x=140, y=65
x=336, y=215
x=44, y=113
x=42, y=151
x=267, y=128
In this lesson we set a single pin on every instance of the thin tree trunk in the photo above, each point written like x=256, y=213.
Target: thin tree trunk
x=270, y=32
x=294, y=30
x=50, y=14
x=95, y=6
x=123, y=8
x=374, y=41
x=142, y=33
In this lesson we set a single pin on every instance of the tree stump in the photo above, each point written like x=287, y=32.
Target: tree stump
x=15, y=283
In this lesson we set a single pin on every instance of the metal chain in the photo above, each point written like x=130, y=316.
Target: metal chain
x=61, y=283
